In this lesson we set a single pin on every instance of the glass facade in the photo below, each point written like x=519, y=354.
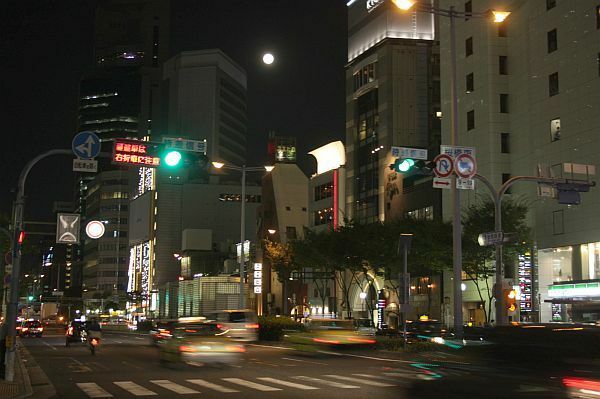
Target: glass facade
x=367, y=159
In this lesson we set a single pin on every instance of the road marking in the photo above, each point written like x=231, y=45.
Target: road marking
x=366, y=357
x=250, y=384
x=363, y=381
x=93, y=390
x=303, y=361
x=271, y=347
x=286, y=383
x=171, y=386
x=324, y=382
x=134, y=388
x=131, y=365
x=256, y=361
x=139, y=337
x=378, y=377
x=47, y=344
x=210, y=385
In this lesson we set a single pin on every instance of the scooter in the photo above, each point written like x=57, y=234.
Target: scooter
x=94, y=343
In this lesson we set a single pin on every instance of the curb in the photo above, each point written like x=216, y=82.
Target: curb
x=46, y=388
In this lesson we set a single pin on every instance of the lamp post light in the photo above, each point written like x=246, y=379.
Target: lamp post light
x=452, y=14
x=243, y=169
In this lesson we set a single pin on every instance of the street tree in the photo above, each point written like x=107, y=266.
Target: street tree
x=479, y=262
x=280, y=255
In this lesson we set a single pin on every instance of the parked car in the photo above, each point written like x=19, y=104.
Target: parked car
x=240, y=325
x=200, y=343
x=31, y=328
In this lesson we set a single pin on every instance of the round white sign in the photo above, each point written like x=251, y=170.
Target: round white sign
x=94, y=229
x=465, y=166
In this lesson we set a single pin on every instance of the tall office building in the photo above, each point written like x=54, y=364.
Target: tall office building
x=120, y=96
x=392, y=99
x=528, y=101
x=206, y=95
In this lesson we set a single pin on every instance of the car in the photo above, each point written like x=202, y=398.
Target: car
x=365, y=327
x=201, y=343
x=31, y=328
x=161, y=331
x=329, y=333
x=239, y=325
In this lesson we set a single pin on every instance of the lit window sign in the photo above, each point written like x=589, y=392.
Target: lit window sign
x=574, y=290
x=134, y=153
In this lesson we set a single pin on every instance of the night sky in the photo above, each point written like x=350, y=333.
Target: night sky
x=46, y=45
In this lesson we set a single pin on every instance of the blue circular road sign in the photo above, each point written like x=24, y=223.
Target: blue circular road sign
x=86, y=145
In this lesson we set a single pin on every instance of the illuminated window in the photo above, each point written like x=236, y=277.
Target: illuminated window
x=323, y=191
x=366, y=74
x=323, y=216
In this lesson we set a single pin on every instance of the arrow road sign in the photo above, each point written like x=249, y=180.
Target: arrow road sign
x=86, y=145
x=444, y=165
x=442, y=182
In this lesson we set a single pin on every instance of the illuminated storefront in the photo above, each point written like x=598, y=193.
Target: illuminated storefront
x=569, y=283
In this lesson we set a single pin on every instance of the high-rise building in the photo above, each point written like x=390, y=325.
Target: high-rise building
x=392, y=99
x=528, y=99
x=206, y=96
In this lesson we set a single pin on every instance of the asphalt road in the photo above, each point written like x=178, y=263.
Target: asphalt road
x=126, y=366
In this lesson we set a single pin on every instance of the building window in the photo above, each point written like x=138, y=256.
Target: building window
x=558, y=222
x=468, y=10
x=555, y=129
x=598, y=62
x=470, y=83
x=505, y=178
x=502, y=29
x=469, y=47
x=504, y=103
x=420, y=214
x=503, y=65
x=366, y=74
x=226, y=197
x=504, y=143
x=323, y=216
x=597, y=17
x=287, y=208
x=471, y=120
x=550, y=4
x=553, y=84
x=324, y=191
x=552, y=41
x=290, y=232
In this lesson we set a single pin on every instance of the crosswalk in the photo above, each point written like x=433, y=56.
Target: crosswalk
x=235, y=385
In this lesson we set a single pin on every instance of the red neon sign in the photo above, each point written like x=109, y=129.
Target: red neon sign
x=335, y=198
x=135, y=153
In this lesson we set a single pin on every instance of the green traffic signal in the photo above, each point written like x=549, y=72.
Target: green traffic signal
x=30, y=297
x=173, y=158
x=405, y=165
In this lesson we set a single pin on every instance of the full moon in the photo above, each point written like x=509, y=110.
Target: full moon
x=268, y=58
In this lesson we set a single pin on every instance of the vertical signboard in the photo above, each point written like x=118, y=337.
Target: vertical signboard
x=525, y=283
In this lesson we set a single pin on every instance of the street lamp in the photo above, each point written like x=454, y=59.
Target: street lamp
x=452, y=14
x=243, y=169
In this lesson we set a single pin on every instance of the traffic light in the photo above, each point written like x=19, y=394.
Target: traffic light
x=21, y=237
x=173, y=158
x=406, y=165
x=192, y=164
x=511, y=300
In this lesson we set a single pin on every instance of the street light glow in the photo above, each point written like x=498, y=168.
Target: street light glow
x=272, y=231
x=404, y=4
x=218, y=165
x=500, y=16
x=362, y=295
x=268, y=58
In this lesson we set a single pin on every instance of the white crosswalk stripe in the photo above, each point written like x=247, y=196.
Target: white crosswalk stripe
x=360, y=381
x=171, y=386
x=287, y=383
x=378, y=377
x=93, y=390
x=210, y=385
x=134, y=388
x=324, y=382
x=250, y=384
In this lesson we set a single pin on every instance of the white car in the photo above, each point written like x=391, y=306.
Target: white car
x=240, y=325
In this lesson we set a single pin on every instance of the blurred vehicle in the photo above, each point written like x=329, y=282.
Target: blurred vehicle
x=424, y=329
x=365, y=327
x=519, y=361
x=31, y=328
x=199, y=344
x=161, y=331
x=74, y=332
x=240, y=325
x=329, y=333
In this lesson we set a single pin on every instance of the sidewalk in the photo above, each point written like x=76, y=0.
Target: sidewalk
x=30, y=380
